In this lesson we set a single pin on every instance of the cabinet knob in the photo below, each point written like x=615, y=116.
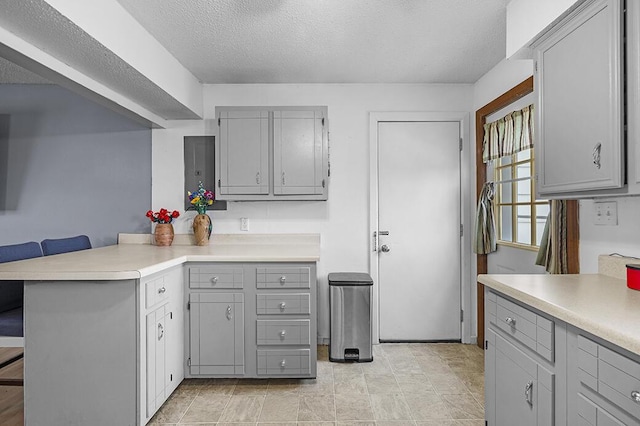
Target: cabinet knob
x=161, y=290
x=528, y=394
x=160, y=331
x=283, y=333
x=283, y=363
x=596, y=154
x=282, y=305
x=214, y=280
x=283, y=279
x=229, y=316
x=635, y=396
x=510, y=321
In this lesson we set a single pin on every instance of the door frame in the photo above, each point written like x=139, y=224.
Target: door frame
x=465, y=213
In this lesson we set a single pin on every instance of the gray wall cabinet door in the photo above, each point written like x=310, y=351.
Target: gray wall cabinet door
x=156, y=351
x=244, y=152
x=298, y=152
x=216, y=333
x=580, y=111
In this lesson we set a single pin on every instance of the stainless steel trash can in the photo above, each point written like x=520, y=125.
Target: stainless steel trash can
x=350, y=326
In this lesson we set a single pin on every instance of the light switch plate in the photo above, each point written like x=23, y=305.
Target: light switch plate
x=606, y=213
x=244, y=223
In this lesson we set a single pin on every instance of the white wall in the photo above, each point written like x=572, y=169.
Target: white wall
x=343, y=220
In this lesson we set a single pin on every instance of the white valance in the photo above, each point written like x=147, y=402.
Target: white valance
x=508, y=135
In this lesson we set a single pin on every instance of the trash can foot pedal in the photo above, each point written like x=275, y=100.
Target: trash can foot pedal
x=351, y=354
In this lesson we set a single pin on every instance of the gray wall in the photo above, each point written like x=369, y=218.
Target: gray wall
x=69, y=166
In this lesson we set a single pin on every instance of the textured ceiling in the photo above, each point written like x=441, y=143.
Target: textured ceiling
x=11, y=73
x=329, y=41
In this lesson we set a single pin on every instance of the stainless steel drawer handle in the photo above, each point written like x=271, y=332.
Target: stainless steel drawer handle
x=283, y=279
x=283, y=333
x=282, y=305
x=635, y=396
x=214, y=280
x=528, y=394
x=283, y=363
x=510, y=321
x=229, y=316
x=161, y=290
x=160, y=331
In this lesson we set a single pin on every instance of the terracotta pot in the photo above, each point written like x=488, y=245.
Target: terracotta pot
x=202, y=229
x=164, y=234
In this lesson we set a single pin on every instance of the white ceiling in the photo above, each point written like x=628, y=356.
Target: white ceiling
x=329, y=41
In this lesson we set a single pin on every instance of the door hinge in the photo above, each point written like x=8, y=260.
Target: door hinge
x=461, y=315
x=188, y=306
x=218, y=121
x=323, y=183
x=188, y=362
x=219, y=183
x=461, y=229
x=460, y=144
x=170, y=315
x=171, y=377
x=535, y=66
x=486, y=345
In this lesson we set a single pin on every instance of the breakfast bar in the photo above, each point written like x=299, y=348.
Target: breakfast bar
x=111, y=332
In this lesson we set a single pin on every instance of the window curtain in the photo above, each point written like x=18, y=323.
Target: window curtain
x=484, y=240
x=553, y=247
x=508, y=135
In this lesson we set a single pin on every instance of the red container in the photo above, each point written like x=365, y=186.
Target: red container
x=633, y=276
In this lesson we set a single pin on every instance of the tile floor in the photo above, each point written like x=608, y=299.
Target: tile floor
x=421, y=384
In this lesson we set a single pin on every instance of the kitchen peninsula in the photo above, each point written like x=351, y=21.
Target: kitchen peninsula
x=111, y=332
x=561, y=349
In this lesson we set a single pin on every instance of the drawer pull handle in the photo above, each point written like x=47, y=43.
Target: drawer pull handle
x=283, y=333
x=282, y=305
x=283, y=279
x=528, y=394
x=283, y=363
x=161, y=290
x=229, y=316
x=510, y=321
x=214, y=280
x=635, y=396
x=596, y=154
x=160, y=331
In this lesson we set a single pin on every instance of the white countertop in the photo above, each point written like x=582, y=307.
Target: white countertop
x=137, y=260
x=599, y=304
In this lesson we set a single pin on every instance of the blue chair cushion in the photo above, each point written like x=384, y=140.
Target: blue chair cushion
x=65, y=245
x=20, y=251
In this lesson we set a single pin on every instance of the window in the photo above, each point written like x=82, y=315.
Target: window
x=520, y=218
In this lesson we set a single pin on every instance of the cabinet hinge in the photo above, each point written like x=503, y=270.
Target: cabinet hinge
x=486, y=423
x=218, y=121
x=323, y=121
x=486, y=345
x=219, y=183
x=535, y=66
x=323, y=183
x=461, y=315
x=188, y=362
x=170, y=315
x=171, y=377
x=188, y=305
x=460, y=144
x=461, y=229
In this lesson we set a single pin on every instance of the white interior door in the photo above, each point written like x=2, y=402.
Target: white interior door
x=419, y=206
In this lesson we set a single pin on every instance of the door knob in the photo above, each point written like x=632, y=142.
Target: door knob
x=385, y=248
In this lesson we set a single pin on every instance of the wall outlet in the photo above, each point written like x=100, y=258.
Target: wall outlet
x=606, y=213
x=244, y=223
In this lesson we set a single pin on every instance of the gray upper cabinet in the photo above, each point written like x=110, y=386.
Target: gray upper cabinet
x=580, y=114
x=272, y=153
x=244, y=153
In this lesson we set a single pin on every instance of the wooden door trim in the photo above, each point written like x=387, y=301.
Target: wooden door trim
x=507, y=98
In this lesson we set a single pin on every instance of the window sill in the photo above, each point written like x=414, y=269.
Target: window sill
x=518, y=246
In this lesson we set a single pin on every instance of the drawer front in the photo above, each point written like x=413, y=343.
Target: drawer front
x=299, y=303
x=155, y=292
x=284, y=277
x=285, y=362
x=592, y=415
x=531, y=329
x=284, y=332
x=216, y=277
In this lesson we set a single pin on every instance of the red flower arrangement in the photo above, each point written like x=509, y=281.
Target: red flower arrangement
x=162, y=216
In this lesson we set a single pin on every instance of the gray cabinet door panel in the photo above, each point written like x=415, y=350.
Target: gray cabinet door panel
x=216, y=318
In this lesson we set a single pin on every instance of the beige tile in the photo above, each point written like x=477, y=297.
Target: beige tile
x=463, y=406
x=206, y=408
x=279, y=409
x=242, y=408
x=427, y=406
x=390, y=407
x=346, y=369
x=353, y=407
x=317, y=388
x=382, y=384
x=317, y=408
x=414, y=383
x=479, y=397
x=447, y=383
x=474, y=381
x=357, y=423
x=405, y=365
x=350, y=385
x=395, y=423
x=217, y=390
x=317, y=423
x=251, y=387
x=377, y=366
x=283, y=390
x=450, y=423
x=172, y=410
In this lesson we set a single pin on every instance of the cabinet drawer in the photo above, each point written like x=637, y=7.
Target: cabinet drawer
x=286, y=362
x=283, y=303
x=216, y=277
x=591, y=414
x=155, y=292
x=609, y=374
x=524, y=325
x=283, y=277
x=284, y=332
